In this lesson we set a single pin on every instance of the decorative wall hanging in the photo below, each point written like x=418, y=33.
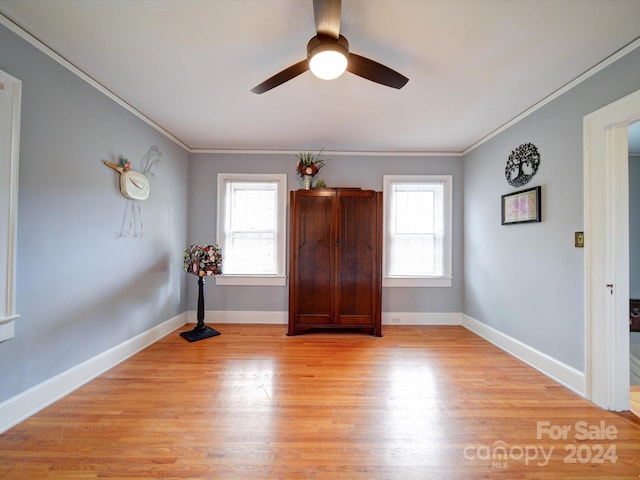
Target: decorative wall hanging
x=522, y=207
x=308, y=166
x=522, y=164
x=134, y=185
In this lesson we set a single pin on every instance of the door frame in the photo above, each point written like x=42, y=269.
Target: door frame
x=606, y=223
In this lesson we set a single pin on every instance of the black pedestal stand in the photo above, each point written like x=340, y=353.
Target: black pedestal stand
x=201, y=331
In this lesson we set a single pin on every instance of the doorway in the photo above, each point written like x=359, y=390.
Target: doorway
x=634, y=266
x=606, y=186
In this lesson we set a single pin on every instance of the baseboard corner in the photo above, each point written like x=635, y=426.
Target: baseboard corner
x=558, y=371
x=25, y=404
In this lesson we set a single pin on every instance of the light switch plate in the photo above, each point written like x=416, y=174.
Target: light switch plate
x=579, y=239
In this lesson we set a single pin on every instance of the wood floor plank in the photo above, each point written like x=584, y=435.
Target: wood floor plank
x=418, y=403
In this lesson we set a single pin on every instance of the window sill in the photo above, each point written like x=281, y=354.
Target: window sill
x=252, y=280
x=7, y=330
x=417, y=282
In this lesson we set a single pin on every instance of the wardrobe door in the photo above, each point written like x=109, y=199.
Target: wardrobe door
x=358, y=257
x=312, y=295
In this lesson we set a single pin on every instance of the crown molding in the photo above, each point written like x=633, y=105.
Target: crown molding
x=336, y=153
x=15, y=28
x=560, y=91
x=22, y=33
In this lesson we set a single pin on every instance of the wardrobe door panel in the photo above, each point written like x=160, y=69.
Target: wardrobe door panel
x=315, y=277
x=356, y=255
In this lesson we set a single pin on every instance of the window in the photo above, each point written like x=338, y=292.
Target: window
x=417, y=231
x=251, y=228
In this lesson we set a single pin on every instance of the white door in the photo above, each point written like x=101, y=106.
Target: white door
x=606, y=187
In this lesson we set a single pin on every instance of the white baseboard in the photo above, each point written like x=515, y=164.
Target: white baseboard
x=560, y=372
x=219, y=316
x=22, y=406
x=420, y=318
x=388, y=318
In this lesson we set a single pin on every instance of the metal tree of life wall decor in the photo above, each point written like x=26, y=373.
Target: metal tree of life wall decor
x=522, y=164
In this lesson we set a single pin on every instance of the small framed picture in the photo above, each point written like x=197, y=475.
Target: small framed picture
x=522, y=207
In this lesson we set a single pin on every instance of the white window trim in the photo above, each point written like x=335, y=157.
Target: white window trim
x=11, y=89
x=444, y=280
x=256, y=280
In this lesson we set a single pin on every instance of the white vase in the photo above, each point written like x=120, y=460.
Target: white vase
x=306, y=181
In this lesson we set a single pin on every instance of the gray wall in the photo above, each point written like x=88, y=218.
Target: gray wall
x=81, y=290
x=341, y=171
x=527, y=281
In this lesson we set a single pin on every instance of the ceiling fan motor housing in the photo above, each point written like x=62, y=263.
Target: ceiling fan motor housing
x=324, y=45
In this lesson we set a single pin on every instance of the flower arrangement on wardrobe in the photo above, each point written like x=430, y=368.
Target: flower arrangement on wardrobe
x=308, y=165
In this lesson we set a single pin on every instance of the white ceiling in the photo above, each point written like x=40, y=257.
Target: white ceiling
x=473, y=65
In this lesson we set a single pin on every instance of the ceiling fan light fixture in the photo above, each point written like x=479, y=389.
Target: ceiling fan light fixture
x=328, y=57
x=328, y=64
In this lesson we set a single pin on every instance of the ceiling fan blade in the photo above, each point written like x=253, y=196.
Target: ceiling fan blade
x=376, y=72
x=281, y=77
x=327, y=15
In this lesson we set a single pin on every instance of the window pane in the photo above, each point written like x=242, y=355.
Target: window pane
x=414, y=211
x=253, y=206
x=251, y=228
x=251, y=253
x=413, y=255
x=415, y=229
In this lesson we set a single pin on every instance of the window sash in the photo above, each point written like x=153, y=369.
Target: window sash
x=417, y=230
x=251, y=228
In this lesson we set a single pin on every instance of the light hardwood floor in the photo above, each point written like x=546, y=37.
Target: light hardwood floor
x=419, y=403
x=634, y=400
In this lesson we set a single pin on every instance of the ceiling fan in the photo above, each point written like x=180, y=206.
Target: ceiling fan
x=328, y=55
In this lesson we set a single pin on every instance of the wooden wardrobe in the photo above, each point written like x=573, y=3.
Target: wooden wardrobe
x=335, y=274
